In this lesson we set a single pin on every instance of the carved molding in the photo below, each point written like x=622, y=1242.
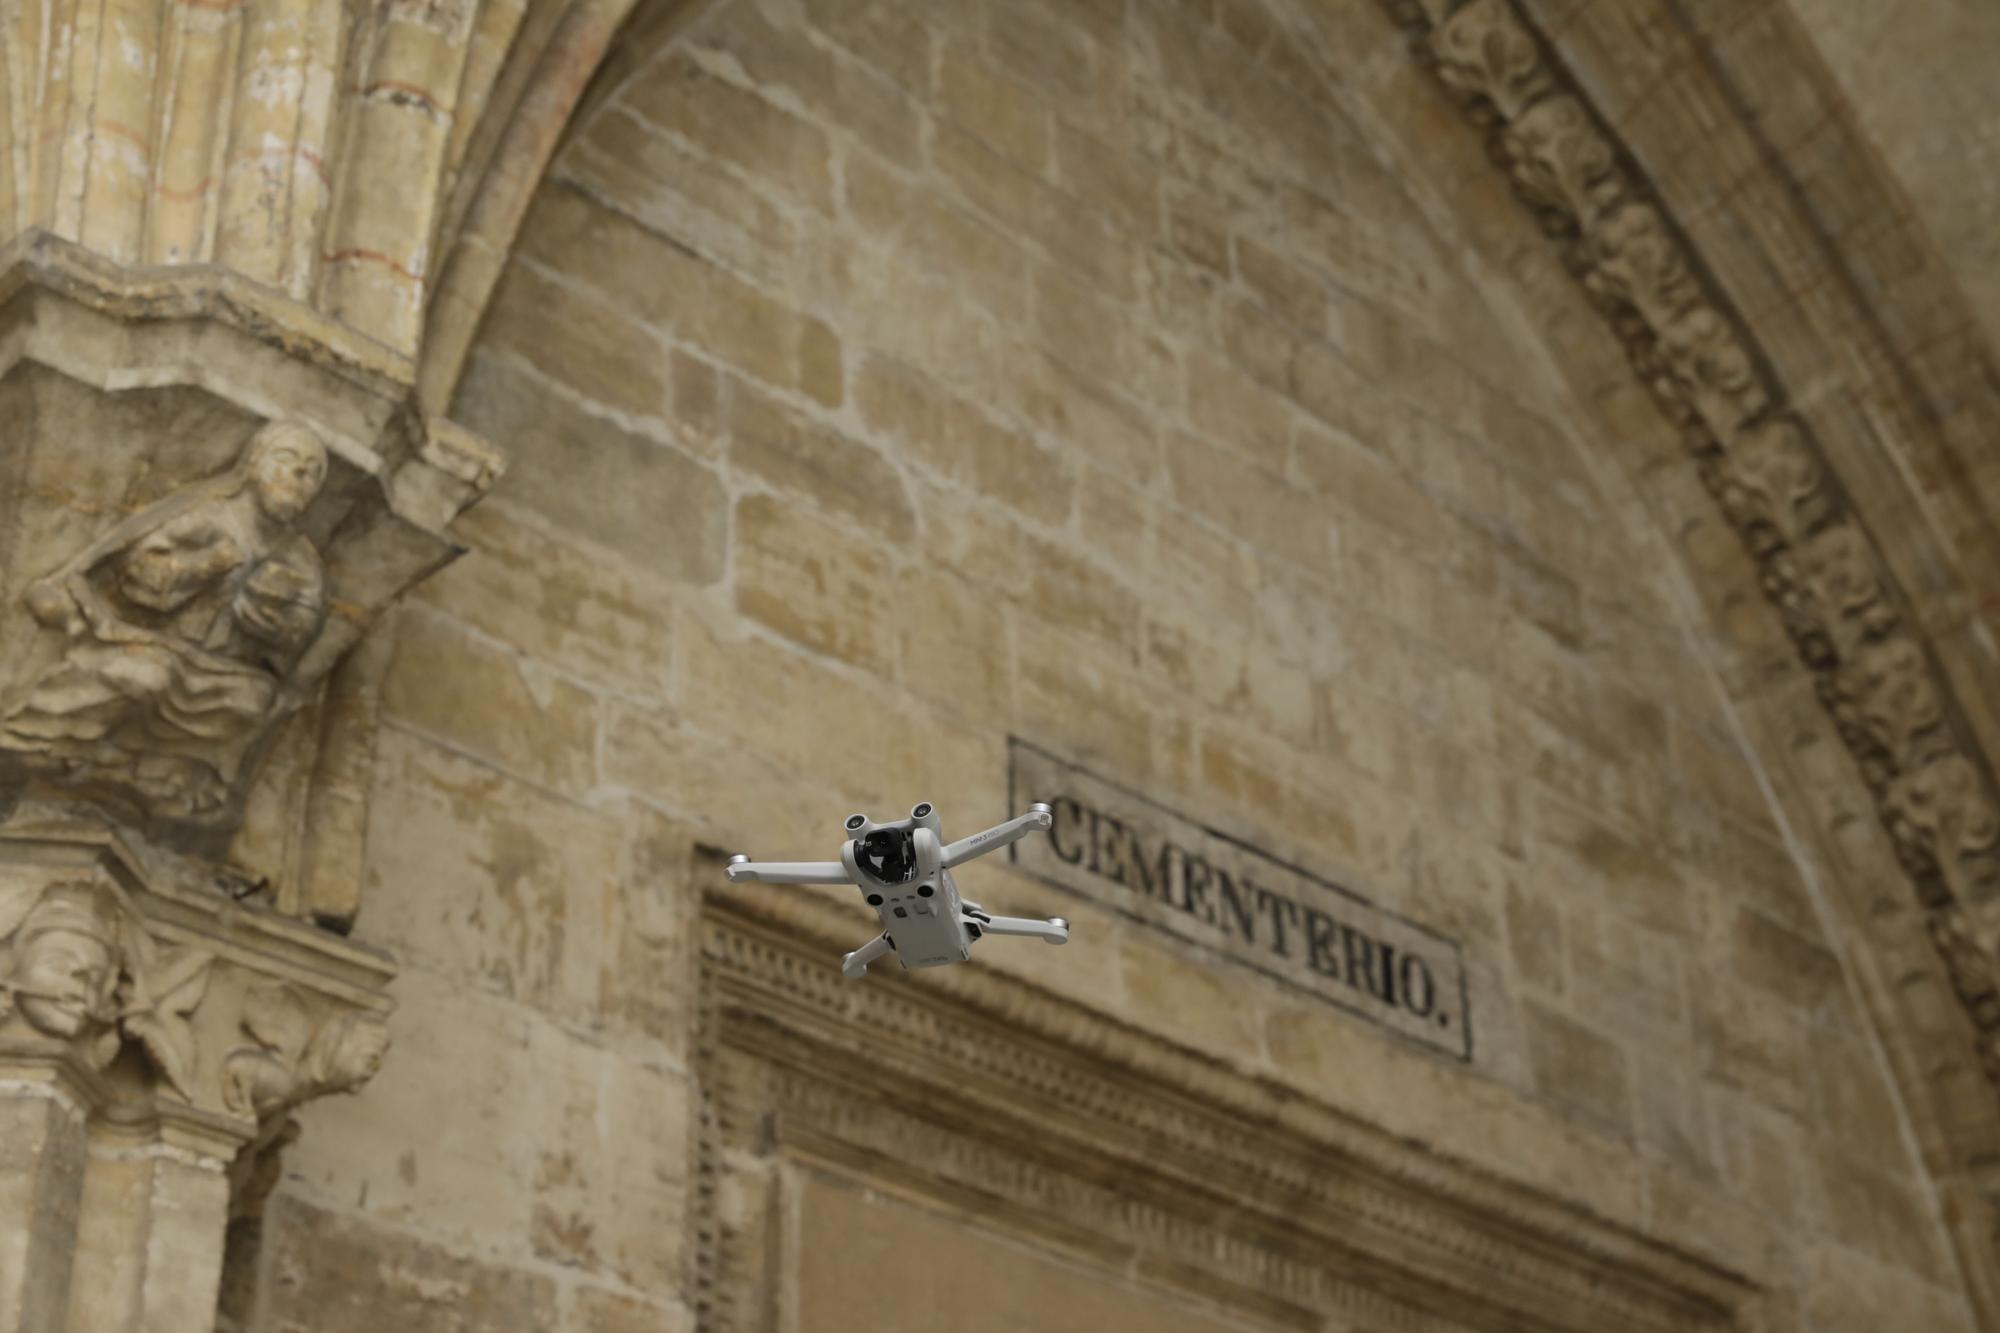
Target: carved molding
x=1889, y=700
x=1044, y=1118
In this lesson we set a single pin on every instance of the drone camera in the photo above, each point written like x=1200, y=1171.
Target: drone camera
x=921, y=811
x=856, y=821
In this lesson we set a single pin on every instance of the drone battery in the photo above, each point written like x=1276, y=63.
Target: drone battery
x=926, y=930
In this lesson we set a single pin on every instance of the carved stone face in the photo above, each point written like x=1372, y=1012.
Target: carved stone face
x=363, y=1052
x=286, y=471
x=61, y=974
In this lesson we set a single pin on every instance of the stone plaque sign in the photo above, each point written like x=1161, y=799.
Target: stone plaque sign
x=1218, y=892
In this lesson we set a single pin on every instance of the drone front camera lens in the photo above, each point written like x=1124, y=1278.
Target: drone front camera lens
x=926, y=891
x=856, y=821
x=874, y=900
x=921, y=811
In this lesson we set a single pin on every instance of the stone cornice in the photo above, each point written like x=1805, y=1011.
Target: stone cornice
x=1063, y=1121
x=206, y=292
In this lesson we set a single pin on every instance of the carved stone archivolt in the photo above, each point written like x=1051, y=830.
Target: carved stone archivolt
x=1891, y=704
x=1043, y=1119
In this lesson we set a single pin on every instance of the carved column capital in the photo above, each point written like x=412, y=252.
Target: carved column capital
x=151, y=1031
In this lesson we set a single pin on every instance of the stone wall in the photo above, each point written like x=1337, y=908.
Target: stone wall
x=883, y=380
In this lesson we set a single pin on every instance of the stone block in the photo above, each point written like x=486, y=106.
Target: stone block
x=1671, y=1115
x=894, y=40
x=1024, y=204
x=604, y=357
x=1122, y=186
x=648, y=175
x=1259, y=507
x=735, y=125
x=1535, y=939
x=600, y=1311
x=1051, y=582
x=529, y=588
x=1580, y=1070
x=959, y=653
x=1633, y=979
x=959, y=441
x=1055, y=46
x=817, y=583
x=1234, y=410
x=493, y=883
x=1010, y=116
x=969, y=253
x=1067, y=406
x=708, y=778
x=1852, y=1101
x=1794, y=968
x=1748, y=1043
x=478, y=697
x=802, y=715
x=651, y=504
x=441, y=1145
x=1102, y=342
x=330, y=1273
x=874, y=1230
x=800, y=457
x=609, y=1162
x=1084, y=701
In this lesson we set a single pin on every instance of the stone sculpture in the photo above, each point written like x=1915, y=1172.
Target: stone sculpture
x=292, y=1059
x=179, y=633
x=60, y=968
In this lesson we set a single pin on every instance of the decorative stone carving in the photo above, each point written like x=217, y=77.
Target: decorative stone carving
x=179, y=634
x=1774, y=488
x=1637, y=262
x=80, y=970
x=1841, y=571
x=293, y=1057
x=64, y=955
x=173, y=1027
x=1890, y=703
x=1485, y=52
x=1945, y=810
x=1560, y=162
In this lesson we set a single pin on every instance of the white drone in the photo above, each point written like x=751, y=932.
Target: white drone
x=904, y=871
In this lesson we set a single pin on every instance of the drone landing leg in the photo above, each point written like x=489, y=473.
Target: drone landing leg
x=855, y=965
x=1053, y=931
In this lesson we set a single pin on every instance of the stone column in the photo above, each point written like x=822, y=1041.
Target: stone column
x=151, y=1030
x=42, y=1156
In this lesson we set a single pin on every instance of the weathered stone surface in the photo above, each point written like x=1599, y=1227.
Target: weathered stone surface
x=341, y=1275
x=597, y=480
x=1172, y=385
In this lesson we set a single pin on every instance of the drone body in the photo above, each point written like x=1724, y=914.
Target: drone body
x=903, y=870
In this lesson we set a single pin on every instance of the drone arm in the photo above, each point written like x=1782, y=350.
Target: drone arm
x=788, y=872
x=1037, y=819
x=855, y=965
x=1053, y=931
